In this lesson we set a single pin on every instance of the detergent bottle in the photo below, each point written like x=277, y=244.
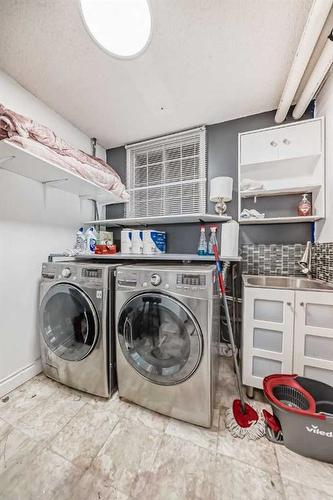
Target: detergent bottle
x=91, y=241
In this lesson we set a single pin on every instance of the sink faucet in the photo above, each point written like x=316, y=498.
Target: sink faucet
x=305, y=262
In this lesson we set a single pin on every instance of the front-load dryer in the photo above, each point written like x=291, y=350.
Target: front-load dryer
x=167, y=338
x=76, y=312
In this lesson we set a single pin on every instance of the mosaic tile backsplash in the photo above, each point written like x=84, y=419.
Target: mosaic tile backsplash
x=322, y=261
x=281, y=260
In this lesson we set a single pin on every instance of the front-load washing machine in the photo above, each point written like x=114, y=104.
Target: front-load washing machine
x=167, y=338
x=76, y=312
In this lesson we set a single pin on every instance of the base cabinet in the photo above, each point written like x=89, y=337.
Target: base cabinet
x=313, y=338
x=286, y=331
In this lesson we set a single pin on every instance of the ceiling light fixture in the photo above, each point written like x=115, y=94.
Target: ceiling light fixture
x=120, y=27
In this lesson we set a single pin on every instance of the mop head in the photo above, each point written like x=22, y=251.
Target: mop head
x=249, y=424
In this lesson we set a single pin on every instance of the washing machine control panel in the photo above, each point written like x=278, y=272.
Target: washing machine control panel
x=89, y=272
x=194, y=283
x=155, y=279
x=191, y=280
x=66, y=272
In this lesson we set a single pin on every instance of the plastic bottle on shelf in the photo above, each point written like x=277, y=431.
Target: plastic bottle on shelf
x=212, y=240
x=304, y=206
x=91, y=241
x=202, y=248
x=80, y=242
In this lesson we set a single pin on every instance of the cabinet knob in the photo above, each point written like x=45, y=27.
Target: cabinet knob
x=301, y=304
x=286, y=141
x=274, y=144
x=288, y=303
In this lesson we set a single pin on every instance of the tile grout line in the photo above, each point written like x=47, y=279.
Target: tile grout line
x=279, y=469
x=84, y=470
x=107, y=439
x=67, y=423
x=105, y=442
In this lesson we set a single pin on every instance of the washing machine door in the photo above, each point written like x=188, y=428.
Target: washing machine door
x=160, y=338
x=68, y=322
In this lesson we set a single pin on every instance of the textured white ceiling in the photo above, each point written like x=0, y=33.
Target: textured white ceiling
x=209, y=61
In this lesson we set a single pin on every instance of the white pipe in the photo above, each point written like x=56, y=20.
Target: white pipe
x=313, y=27
x=318, y=74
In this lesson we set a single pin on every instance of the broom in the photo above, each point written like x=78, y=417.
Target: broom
x=241, y=420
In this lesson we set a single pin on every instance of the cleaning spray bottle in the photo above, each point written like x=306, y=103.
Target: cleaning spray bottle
x=202, y=248
x=212, y=240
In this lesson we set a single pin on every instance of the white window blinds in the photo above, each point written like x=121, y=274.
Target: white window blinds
x=167, y=175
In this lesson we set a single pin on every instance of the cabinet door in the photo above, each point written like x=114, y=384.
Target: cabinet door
x=267, y=340
x=301, y=139
x=313, y=344
x=259, y=147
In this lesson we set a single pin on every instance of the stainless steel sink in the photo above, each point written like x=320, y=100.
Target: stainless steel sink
x=290, y=282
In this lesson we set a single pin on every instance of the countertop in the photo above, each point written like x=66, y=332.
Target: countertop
x=162, y=256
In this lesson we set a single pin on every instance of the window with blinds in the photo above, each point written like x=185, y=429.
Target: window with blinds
x=167, y=175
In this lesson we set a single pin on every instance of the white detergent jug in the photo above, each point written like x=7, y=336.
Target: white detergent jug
x=80, y=242
x=126, y=241
x=137, y=241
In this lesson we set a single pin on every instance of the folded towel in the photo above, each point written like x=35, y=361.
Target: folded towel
x=251, y=214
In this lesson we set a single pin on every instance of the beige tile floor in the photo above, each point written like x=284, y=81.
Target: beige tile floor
x=57, y=443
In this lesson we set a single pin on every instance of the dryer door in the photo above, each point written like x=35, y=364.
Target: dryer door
x=160, y=338
x=68, y=322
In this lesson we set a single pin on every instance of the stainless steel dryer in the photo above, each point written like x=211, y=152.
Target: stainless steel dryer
x=167, y=338
x=77, y=327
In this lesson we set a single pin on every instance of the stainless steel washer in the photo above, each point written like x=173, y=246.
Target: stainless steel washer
x=76, y=325
x=167, y=338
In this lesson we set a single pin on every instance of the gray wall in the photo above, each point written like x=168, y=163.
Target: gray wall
x=222, y=147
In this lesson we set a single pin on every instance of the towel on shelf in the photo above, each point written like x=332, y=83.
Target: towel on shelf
x=251, y=214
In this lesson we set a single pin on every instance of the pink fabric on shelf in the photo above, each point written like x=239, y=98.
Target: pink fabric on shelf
x=43, y=142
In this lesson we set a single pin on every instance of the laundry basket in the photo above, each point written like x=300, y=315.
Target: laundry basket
x=304, y=408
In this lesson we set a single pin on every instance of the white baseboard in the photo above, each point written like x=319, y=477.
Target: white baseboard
x=18, y=378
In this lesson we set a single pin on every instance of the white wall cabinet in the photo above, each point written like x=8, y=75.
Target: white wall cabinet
x=277, y=143
x=300, y=139
x=282, y=161
x=286, y=331
x=259, y=147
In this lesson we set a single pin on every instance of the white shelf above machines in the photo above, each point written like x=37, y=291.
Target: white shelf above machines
x=27, y=164
x=161, y=256
x=163, y=219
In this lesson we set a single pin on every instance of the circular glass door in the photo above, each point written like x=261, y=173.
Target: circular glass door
x=160, y=338
x=68, y=322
